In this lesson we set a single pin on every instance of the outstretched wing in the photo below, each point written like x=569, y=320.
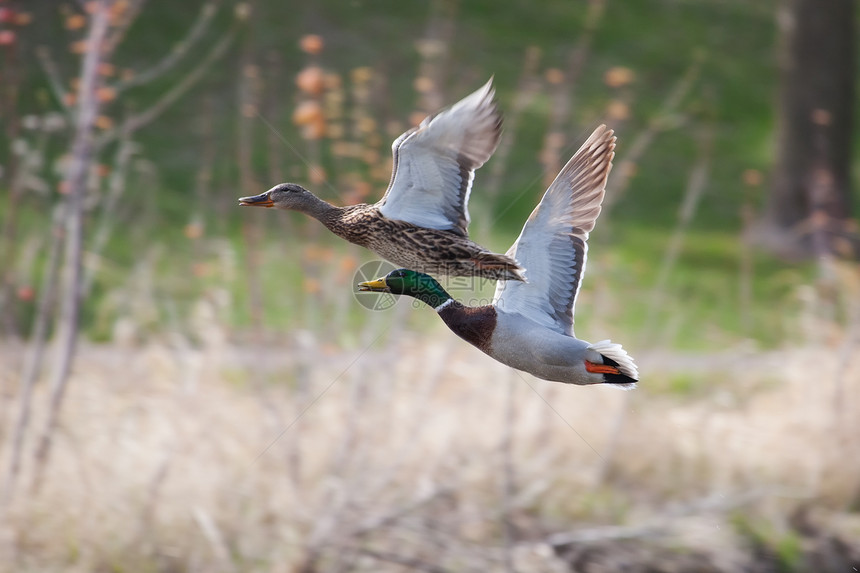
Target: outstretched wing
x=552, y=245
x=434, y=163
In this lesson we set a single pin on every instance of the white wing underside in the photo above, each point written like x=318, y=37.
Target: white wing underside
x=552, y=246
x=435, y=163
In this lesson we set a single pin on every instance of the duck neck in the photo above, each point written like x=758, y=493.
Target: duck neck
x=432, y=294
x=322, y=211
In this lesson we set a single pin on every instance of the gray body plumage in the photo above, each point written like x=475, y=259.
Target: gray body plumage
x=528, y=346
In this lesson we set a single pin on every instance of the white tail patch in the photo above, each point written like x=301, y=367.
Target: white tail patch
x=614, y=352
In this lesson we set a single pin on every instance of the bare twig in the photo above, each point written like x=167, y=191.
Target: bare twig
x=377, y=522
x=216, y=540
x=659, y=526
x=412, y=563
x=180, y=50
x=126, y=13
x=608, y=533
x=52, y=74
x=116, y=187
x=76, y=179
x=508, y=480
x=663, y=120
x=143, y=118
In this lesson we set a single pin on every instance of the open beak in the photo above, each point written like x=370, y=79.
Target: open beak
x=261, y=200
x=376, y=285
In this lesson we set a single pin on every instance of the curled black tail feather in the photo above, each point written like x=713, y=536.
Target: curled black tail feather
x=621, y=380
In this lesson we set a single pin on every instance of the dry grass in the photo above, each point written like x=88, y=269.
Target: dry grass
x=172, y=458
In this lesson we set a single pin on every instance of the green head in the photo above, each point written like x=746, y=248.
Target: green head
x=409, y=283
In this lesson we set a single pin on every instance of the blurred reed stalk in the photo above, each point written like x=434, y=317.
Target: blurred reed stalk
x=204, y=182
x=250, y=87
x=528, y=87
x=33, y=358
x=434, y=53
x=696, y=185
x=562, y=87
x=508, y=481
x=752, y=186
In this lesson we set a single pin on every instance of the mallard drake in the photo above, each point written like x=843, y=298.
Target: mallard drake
x=421, y=221
x=529, y=325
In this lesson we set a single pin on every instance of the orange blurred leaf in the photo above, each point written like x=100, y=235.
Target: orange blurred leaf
x=311, y=44
x=311, y=80
x=317, y=174
x=76, y=22
x=311, y=286
x=106, y=93
x=118, y=8
x=416, y=117
x=617, y=110
x=423, y=84
x=618, y=76
x=362, y=74
x=104, y=122
x=107, y=69
x=307, y=112
x=333, y=81
x=752, y=177
x=194, y=230
x=26, y=293
x=554, y=76
x=78, y=47
x=23, y=18
x=201, y=269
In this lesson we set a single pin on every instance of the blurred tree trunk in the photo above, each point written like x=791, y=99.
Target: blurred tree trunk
x=809, y=200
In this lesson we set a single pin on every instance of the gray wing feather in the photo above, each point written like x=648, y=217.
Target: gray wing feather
x=552, y=246
x=435, y=163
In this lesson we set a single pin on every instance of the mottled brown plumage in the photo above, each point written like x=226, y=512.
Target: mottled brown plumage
x=430, y=251
x=421, y=221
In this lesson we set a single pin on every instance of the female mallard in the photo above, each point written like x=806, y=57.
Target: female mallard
x=529, y=325
x=421, y=220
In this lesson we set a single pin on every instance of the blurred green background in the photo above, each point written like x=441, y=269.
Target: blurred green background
x=716, y=59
